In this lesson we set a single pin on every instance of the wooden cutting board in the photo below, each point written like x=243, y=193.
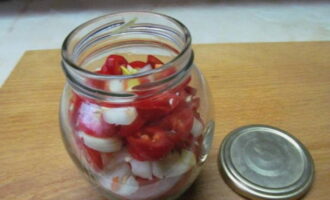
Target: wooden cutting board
x=286, y=85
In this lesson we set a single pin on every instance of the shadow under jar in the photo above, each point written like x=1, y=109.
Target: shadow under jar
x=136, y=113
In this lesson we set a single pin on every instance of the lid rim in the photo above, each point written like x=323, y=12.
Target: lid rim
x=249, y=189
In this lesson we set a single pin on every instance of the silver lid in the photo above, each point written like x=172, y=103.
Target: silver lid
x=262, y=162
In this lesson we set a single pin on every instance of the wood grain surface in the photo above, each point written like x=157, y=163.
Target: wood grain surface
x=286, y=85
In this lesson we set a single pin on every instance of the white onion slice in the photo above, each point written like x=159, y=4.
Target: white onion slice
x=125, y=184
x=145, y=68
x=120, y=116
x=115, y=159
x=116, y=85
x=120, y=171
x=174, y=164
x=130, y=70
x=107, y=145
x=141, y=169
x=197, y=128
x=157, y=170
x=90, y=116
x=128, y=187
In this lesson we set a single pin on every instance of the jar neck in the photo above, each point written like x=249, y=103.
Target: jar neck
x=134, y=34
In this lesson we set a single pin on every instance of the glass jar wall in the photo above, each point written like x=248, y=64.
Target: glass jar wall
x=136, y=113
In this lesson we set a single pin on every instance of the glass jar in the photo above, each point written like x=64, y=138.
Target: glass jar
x=136, y=113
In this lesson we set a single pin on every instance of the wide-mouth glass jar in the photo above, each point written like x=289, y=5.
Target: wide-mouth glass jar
x=136, y=113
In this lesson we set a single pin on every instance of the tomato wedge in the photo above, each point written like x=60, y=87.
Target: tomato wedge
x=152, y=115
x=112, y=65
x=151, y=143
x=137, y=64
x=195, y=103
x=165, y=73
x=94, y=157
x=98, y=84
x=165, y=101
x=128, y=130
x=144, y=182
x=153, y=61
x=74, y=107
x=180, y=123
x=190, y=90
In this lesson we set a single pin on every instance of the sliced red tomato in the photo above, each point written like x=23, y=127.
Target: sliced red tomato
x=137, y=64
x=182, y=94
x=183, y=85
x=152, y=115
x=74, y=107
x=181, y=119
x=165, y=73
x=180, y=123
x=165, y=101
x=153, y=61
x=144, y=182
x=98, y=84
x=151, y=143
x=94, y=157
x=132, y=128
x=190, y=90
x=112, y=65
x=195, y=103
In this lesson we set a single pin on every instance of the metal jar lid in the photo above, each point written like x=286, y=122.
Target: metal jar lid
x=262, y=162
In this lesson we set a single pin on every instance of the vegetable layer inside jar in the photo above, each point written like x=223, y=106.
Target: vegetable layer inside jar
x=147, y=146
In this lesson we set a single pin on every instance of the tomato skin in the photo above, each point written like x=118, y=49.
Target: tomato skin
x=94, y=157
x=137, y=64
x=190, y=90
x=195, y=103
x=166, y=102
x=165, y=73
x=153, y=61
x=183, y=85
x=129, y=130
x=98, y=84
x=180, y=123
x=75, y=104
x=180, y=119
x=143, y=181
x=151, y=143
x=112, y=65
x=152, y=115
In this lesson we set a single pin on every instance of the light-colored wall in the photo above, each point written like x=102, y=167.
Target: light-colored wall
x=43, y=24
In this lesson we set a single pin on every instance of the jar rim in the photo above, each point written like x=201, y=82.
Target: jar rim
x=66, y=57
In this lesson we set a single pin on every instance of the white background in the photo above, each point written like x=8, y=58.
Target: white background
x=43, y=24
